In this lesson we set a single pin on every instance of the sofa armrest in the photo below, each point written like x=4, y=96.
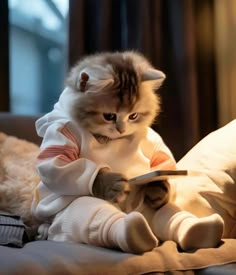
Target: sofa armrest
x=21, y=126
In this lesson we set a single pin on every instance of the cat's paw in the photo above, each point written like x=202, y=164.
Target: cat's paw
x=157, y=194
x=113, y=187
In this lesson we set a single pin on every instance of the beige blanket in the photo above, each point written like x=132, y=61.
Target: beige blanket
x=81, y=259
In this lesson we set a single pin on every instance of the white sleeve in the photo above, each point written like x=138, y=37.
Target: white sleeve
x=59, y=164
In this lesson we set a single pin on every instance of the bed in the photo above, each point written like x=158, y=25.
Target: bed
x=214, y=158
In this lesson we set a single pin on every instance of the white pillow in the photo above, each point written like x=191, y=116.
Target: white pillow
x=211, y=184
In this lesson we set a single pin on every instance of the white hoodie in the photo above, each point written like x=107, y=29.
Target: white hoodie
x=71, y=157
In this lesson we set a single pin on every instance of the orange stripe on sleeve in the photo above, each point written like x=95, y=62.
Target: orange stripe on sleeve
x=162, y=161
x=69, y=135
x=64, y=152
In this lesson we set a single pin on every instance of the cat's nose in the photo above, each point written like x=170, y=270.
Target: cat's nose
x=120, y=128
x=121, y=131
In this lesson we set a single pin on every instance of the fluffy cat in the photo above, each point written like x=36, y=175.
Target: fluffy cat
x=126, y=107
x=96, y=138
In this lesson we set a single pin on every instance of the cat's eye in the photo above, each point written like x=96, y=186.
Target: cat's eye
x=133, y=116
x=109, y=116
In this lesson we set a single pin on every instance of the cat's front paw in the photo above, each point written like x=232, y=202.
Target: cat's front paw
x=157, y=194
x=113, y=187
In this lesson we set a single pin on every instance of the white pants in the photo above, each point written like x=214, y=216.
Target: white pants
x=94, y=221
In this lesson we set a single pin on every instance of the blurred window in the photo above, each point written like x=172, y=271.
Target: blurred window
x=38, y=53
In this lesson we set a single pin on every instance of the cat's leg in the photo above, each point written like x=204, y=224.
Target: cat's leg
x=189, y=231
x=98, y=222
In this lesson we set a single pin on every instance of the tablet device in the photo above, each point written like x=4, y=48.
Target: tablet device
x=157, y=176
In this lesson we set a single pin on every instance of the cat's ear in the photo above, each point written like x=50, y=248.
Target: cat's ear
x=156, y=77
x=94, y=79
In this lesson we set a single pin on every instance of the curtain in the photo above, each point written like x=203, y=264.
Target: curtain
x=178, y=37
x=225, y=22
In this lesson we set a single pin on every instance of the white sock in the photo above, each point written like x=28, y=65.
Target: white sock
x=189, y=231
x=194, y=233
x=132, y=234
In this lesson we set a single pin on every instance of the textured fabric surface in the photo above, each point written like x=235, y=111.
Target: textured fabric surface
x=12, y=230
x=68, y=258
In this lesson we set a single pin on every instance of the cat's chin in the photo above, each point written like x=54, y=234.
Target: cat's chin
x=105, y=139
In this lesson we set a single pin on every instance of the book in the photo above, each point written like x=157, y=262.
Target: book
x=158, y=175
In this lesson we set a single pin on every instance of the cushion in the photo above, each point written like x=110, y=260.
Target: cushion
x=211, y=184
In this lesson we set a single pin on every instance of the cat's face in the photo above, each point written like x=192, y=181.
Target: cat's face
x=104, y=114
x=114, y=95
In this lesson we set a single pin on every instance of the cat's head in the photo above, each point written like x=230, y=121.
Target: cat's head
x=115, y=93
